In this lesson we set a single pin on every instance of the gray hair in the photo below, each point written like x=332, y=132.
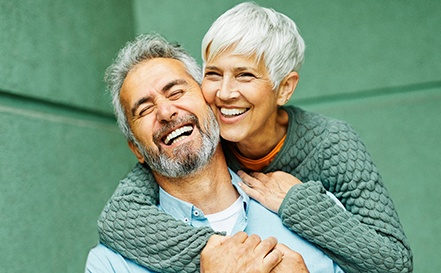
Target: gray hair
x=252, y=29
x=144, y=47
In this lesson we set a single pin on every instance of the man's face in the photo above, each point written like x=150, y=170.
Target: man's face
x=175, y=131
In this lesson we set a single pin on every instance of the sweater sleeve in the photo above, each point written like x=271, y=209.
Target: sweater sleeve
x=368, y=236
x=132, y=225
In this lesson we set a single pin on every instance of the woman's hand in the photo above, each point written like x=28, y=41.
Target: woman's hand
x=268, y=189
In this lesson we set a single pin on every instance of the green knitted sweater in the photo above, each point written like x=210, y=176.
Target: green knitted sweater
x=324, y=154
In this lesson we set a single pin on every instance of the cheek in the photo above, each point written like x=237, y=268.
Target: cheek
x=214, y=109
x=209, y=91
x=142, y=129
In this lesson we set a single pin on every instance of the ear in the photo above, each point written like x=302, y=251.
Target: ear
x=287, y=87
x=135, y=150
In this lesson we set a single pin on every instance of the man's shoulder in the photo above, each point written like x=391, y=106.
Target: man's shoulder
x=102, y=259
x=139, y=181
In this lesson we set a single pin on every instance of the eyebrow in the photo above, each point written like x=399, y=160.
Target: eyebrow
x=212, y=67
x=236, y=69
x=242, y=68
x=164, y=89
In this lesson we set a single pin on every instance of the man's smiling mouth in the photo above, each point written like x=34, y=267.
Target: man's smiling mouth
x=231, y=112
x=178, y=134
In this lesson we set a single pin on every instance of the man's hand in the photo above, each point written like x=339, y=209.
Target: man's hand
x=241, y=253
x=268, y=189
x=291, y=262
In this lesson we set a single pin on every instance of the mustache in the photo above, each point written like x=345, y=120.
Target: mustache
x=190, y=118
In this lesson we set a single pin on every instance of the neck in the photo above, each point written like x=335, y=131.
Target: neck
x=209, y=188
x=263, y=143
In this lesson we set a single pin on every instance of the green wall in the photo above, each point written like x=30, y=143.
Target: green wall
x=61, y=154
x=373, y=63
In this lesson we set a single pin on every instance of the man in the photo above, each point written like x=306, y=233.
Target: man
x=175, y=136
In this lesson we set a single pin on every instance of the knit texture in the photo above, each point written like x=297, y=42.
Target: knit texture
x=325, y=154
x=132, y=225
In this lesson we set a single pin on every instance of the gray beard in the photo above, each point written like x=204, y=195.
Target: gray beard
x=185, y=159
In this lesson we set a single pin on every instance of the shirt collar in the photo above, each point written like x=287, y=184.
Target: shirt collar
x=235, y=179
x=185, y=211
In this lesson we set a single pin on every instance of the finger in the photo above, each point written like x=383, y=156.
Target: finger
x=239, y=237
x=246, y=178
x=286, y=251
x=256, y=194
x=260, y=179
x=260, y=176
x=216, y=240
x=294, y=257
x=255, y=183
x=272, y=260
x=253, y=241
x=266, y=246
x=247, y=189
x=283, y=248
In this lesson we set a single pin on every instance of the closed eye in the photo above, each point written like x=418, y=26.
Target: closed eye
x=176, y=94
x=145, y=110
x=246, y=76
x=211, y=75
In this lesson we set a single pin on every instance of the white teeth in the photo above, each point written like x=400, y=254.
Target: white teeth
x=232, y=111
x=177, y=133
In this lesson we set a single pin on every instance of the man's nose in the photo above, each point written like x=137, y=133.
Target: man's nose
x=165, y=110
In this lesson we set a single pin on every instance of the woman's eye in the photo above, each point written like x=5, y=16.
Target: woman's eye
x=211, y=74
x=245, y=76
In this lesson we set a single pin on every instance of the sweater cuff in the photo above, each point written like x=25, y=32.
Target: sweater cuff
x=305, y=188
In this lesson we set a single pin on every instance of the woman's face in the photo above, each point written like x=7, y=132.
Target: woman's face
x=239, y=90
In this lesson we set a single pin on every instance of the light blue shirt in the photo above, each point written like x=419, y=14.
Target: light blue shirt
x=254, y=219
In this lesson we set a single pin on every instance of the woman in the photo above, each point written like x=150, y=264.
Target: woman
x=251, y=60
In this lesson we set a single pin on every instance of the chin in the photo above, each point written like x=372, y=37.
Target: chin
x=232, y=136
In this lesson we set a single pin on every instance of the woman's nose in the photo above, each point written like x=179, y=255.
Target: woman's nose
x=227, y=90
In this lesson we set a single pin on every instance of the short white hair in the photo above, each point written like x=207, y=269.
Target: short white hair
x=251, y=29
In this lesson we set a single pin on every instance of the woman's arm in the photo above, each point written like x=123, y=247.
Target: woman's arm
x=368, y=236
x=132, y=225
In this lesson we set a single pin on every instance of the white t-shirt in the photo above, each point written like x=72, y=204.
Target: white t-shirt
x=225, y=220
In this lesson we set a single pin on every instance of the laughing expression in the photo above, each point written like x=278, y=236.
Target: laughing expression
x=241, y=94
x=163, y=106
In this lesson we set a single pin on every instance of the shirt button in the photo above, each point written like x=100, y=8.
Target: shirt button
x=196, y=213
x=186, y=220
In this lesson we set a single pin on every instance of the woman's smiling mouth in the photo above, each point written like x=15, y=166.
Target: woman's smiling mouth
x=232, y=112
